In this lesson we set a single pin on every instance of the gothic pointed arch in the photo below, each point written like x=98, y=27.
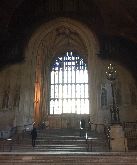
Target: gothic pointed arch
x=53, y=39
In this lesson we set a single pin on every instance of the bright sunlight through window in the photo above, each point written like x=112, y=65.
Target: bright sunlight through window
x=69, y=85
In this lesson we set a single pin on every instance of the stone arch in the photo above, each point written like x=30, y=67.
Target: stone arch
x=49, y=40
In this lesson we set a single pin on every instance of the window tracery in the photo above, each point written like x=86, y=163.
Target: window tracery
x=69, y=85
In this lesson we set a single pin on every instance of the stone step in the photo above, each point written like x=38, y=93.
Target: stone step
x=61, y=141
x=59, y=137
x=35, y=149
x=51, y=141
x=50, y=146
x=68, y=158
x=60, y=147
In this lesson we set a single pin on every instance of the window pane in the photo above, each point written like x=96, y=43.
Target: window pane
x=73, y=90
x=85, y=76
x=65, y=77
x=73, y=106
x=56, y=77
x=65, y=106
x=69, y=76
x=65, y=91
x=51, y=107
x=86, y=90
x=52, y=77
x=52, y=91
x=77, y=91
x=56, y=91
x=60, y=76
x=73, y=76
x=69, y=91
x=60, y=91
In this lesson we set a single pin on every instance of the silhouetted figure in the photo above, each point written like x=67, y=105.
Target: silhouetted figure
x=34, y=136
x=82, y=127
x=89, y=124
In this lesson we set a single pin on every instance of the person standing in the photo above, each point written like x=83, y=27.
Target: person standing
x=82, y=128
x=34, y=136
x=89, y=124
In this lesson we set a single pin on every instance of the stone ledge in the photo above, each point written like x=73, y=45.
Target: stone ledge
x=70, y=153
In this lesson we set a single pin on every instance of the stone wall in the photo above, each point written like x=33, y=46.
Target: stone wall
x=19, y=83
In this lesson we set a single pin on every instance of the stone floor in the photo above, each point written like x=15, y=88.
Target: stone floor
x=74, y=158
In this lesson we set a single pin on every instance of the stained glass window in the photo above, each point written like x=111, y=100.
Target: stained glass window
x=69, y=85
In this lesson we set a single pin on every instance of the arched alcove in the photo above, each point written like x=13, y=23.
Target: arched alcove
x=47, y=42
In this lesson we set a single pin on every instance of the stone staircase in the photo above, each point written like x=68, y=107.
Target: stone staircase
x=63, y=147
x=59, y=140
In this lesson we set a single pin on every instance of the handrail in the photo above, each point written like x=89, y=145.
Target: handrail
x=6, y=144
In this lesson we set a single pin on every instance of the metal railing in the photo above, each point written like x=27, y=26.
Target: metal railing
x=130, y=129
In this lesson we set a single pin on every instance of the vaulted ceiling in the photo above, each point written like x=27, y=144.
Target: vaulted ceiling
x=113, y=21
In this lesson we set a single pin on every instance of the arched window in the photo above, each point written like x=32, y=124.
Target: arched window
x=69, y=85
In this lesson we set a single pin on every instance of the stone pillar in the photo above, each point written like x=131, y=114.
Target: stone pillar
x=118, y=141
